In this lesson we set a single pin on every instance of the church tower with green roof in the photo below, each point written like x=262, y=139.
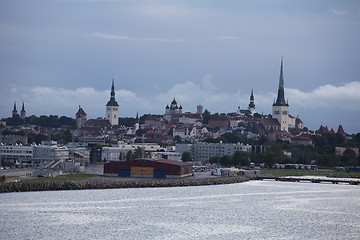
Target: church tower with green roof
x=280, y=108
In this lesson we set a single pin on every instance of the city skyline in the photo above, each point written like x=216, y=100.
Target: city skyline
x=57, y=55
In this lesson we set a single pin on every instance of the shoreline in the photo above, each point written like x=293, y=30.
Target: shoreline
x=98, y=183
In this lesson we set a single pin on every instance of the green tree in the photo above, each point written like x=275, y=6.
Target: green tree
x=349, y=158
x=206, y=116
x=128, y=156
x=226, y=160
x=139, y=153
x=240, y=159
x=186, y=157
x=214, y=159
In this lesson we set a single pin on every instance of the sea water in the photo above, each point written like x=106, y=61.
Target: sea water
x=251, y=210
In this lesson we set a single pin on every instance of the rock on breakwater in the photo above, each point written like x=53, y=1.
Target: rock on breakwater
x=26, y=186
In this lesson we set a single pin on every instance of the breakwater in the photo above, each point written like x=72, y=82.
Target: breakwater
x=26, y=186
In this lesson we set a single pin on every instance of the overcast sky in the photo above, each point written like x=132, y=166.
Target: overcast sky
x=58, y=54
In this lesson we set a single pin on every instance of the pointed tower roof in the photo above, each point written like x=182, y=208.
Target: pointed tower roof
x=340, y=130
x=14, y=110
x=80, y=112
x=23, y=107
x=332, y=131
x=280, y=101
x=252, y=104
x=112, y=101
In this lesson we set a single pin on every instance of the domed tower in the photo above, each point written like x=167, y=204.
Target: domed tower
x=280, y=108
x=167, y=109
x=112, y=108
x=173, y=105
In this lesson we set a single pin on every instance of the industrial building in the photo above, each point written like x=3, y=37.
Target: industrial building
x=149, y=168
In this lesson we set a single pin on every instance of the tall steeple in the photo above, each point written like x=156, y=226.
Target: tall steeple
x=280, y=108
x=251, y=105
x=112, y=101
x=112, y=107
x=280, y=101
x=23, y=112
x=14, y=111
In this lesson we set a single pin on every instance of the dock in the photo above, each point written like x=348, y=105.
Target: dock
x=313, y=179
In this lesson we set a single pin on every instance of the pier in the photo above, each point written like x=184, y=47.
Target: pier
x=313, y=179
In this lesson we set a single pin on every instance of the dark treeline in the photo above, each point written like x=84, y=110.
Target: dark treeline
x=52, y=121
x=321, y=153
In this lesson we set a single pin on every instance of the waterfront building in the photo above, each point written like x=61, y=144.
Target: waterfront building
x=12, y=155
x=148, y=168
x=49, y=155
x=201, y=152
x=112, y=108
x=118, y=153
x=166, y=155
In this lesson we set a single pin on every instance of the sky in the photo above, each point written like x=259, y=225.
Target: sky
x=58, y=54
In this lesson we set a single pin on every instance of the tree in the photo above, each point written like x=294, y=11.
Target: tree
x=186, y=157
x=226, y=160
x=214, y=159
x=349, y=157
x=128, y=156
x=206, y=116
x=240, y=159
x=269, y=159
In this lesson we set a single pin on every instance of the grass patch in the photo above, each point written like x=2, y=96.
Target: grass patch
x=294, y=172
x=65, y=177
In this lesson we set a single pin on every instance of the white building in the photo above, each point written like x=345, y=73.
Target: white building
x=201, y=152
x=13, y=154
x=166, y=155
x=119, y=152
x=50, y=156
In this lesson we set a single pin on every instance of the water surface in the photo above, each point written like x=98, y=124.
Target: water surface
x=251, y=210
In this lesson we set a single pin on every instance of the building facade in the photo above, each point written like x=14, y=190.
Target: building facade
x=12, y=155
x=201, y=152
x=148, y=168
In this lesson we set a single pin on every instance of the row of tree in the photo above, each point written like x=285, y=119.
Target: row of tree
x=52, y=121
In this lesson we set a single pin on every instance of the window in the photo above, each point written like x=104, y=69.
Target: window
x=284, y=112
x=276, y=112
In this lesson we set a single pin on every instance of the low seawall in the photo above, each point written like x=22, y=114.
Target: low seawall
x=26, y=186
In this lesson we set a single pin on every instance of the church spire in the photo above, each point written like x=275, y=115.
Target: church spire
x=14, y=110
x=112, y=101
x=251, y=106
x=23, y=112
x=280, y=101
x=112, y=94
